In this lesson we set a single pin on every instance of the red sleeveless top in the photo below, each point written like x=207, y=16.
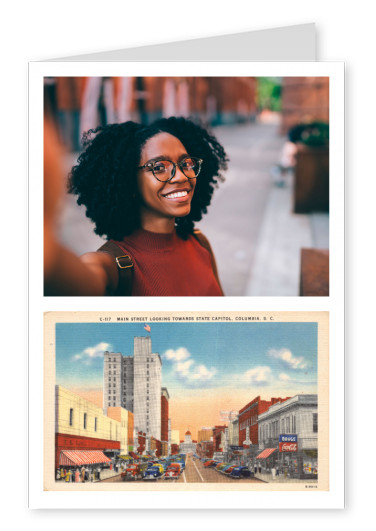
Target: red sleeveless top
x=166, y=265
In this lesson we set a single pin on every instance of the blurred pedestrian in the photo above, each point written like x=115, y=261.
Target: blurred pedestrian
x=77, y=475
x=58, y=475
x=144, y=187
x=83, y=474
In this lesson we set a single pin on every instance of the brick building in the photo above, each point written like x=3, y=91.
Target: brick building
x=304, y=100
x=164, y=420
x=218, y=434
x=248, y=418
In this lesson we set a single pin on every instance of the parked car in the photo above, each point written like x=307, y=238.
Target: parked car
x=173, y=471
x=228, y=469
x=211, y=463
x=220, y=466
x=154, y=472
x=239, y=472
x=135, y=471
x=181, y=463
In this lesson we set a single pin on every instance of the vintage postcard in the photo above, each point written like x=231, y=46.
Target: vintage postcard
x=179, y=402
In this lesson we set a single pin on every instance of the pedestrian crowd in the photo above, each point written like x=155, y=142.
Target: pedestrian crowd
x=85, y=473
x=79, y=475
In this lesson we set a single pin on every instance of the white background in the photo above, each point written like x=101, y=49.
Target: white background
x=42, y=29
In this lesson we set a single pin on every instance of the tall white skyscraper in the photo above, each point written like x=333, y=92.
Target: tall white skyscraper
x=147, y=387
x=134, y=382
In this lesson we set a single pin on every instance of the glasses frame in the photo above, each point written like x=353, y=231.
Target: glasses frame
x=150, y=165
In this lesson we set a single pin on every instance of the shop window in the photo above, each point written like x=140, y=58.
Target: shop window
x=71, y=417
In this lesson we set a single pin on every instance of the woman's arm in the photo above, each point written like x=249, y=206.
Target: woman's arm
x=64, y=272
x=67, y=274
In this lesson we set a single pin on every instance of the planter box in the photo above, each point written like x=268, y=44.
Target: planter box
x=311, y=186
x=314, y=273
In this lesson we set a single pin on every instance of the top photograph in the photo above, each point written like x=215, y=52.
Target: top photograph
x=186, y=186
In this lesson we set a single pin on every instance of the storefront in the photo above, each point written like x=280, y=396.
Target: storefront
x=79, y=458
x=267, y=460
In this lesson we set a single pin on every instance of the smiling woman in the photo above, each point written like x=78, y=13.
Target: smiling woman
x=144, y=187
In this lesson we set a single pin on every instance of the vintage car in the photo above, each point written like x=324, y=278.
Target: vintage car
x=181, y=462
x=239, y=472
x=211, y=463
x=228, y=469
x=173, y=471
x=154, y=472
x=135, y=471
x=220, y=466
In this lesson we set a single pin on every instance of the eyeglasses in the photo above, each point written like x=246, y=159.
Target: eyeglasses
x=165, y=170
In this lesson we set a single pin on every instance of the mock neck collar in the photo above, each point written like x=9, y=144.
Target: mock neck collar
x=152, y=241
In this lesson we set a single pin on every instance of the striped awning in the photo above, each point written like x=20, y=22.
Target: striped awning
x=82, y=457
x=266, y=453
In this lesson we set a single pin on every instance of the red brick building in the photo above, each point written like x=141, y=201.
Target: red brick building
x=205, y=449
x=164, y=419
x=174, y=449
x=140, y=443
x=248, y=417
x=217, y=438
x=304, y=100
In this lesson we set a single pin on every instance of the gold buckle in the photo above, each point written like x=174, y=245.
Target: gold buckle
x=124, y=256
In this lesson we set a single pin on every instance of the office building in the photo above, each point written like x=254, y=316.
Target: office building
x=134, y=383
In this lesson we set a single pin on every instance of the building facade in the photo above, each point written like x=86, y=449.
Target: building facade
x=248, y=418
x=291, y=429
x=134, y=383
x=188, y=446
x=81, y=425
x=205, y=434
x=164, y=420
x=126, y=420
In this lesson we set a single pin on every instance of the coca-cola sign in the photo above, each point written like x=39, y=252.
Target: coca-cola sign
x=288, y=447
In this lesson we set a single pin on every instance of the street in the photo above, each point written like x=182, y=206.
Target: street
x=194, y=472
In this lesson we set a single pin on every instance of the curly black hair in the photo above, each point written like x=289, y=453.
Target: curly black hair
x=105, y=176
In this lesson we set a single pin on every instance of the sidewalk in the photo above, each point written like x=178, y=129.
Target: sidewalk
x=268, y=478
x=106, y=473
x=276, y=266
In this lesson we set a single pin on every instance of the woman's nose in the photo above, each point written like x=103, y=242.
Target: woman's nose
x=178, y=175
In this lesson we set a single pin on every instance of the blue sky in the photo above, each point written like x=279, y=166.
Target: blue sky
x=261, y=356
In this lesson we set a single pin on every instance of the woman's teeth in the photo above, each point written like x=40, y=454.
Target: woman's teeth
x=176, y=194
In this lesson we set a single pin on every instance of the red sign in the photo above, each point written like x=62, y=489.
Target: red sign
x=288, y=447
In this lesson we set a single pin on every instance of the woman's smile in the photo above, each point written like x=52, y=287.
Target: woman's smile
x=163, y=201
x=179, y=195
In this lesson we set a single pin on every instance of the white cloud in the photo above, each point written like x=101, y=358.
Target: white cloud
x=182, y=367
x=203, y=373
x=258, y=376
x=288, y=359
x=176, y=355
x=186, y=369
x=91, y=353
x=284, y=377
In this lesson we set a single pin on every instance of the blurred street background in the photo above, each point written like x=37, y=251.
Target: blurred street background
x=269, y=220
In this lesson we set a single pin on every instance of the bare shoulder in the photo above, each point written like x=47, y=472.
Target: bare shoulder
x=104, y=267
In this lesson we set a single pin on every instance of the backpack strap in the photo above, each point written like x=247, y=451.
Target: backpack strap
x=125, y=267
x=204, y=242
